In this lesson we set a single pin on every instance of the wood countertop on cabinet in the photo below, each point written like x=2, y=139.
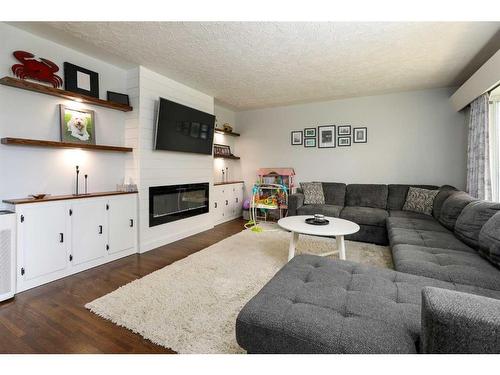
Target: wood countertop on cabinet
x=227, y=183
x=52, y=198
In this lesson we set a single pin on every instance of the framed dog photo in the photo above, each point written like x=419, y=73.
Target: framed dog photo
x=344, y=141
x=296, y=138
x=326, y=136
x=77, y=125
x=344, y=130
x=360, y=135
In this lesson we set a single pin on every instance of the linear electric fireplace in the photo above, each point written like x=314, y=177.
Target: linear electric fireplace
x=176, y=202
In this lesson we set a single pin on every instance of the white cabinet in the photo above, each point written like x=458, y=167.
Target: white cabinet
x=227, y=202
x=88, y=230
x=59, y=238
x=42, y=239
x=121, y=224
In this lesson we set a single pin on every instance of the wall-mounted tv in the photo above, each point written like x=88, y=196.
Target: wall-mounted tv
x=181, y=128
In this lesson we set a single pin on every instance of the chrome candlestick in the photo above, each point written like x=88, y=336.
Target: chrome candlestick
x=86, y=183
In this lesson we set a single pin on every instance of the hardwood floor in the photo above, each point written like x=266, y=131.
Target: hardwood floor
x=52, y=318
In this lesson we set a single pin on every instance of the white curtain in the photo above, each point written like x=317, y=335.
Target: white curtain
x=478, y=149
x=495, y=146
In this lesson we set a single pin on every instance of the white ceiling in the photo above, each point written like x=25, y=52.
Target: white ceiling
x=259, y=64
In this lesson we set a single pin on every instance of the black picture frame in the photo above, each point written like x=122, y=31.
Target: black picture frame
x=292, y=134
x=329, y=143
x=339, y=139
x=71, y=80
x=116, y=97
x=310, y=139
x=343, y=130
x=312, y=135
x=355, y=138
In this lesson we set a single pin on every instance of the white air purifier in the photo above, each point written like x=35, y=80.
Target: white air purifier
x=7, y=255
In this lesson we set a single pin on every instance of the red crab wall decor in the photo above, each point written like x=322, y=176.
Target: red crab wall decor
x=41, y=70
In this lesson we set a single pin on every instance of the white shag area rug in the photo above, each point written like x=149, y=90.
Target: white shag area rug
x=191, y=305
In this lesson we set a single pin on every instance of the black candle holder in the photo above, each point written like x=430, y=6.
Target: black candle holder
x=77, y=174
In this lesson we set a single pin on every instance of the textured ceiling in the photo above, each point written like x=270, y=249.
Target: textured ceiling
x=258, y=64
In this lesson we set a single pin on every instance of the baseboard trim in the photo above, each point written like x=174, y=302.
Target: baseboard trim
x=165, y=240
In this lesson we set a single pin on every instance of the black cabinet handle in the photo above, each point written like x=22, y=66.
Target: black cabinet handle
x=61, y=237
x=236, y=199
x=215, y=204
x=131, y=223
x=227, y=202
x=100, y=229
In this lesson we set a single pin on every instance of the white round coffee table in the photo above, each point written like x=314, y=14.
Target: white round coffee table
x=336, y=227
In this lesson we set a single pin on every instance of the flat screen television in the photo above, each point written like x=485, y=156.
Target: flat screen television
x=181, y=128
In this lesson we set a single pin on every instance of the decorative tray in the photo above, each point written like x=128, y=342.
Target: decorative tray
x=313, y=221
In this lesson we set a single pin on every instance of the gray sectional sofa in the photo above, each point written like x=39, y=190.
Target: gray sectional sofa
x=442, y=297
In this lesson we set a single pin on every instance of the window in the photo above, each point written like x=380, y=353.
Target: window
x=495, y=143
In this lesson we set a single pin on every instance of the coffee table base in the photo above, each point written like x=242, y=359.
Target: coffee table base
x=295, y=238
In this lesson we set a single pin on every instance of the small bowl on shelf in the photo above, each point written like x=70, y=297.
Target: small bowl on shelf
x=39, y=196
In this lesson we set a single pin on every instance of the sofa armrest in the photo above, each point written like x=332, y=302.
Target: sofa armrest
x=295, y=201
x=456, y=322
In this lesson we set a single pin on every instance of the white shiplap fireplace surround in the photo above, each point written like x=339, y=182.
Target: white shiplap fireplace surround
x=147, y=167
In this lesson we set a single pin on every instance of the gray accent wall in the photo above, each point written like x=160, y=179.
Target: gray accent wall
x=413, y=137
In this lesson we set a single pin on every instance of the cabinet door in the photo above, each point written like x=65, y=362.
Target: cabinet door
x=88, y=230
x=227, y=203
x=238, y=200
x=122, y=223
x=216, y=206
x=42, y=239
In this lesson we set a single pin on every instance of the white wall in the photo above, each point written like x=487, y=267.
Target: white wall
x=225, y=115
x=413, y=137
x=24, y=114
x=155, y=168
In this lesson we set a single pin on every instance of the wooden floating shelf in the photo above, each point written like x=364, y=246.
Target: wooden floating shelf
x=55, y=144
x=222, y=131
x=48, y=90
x=227, y=157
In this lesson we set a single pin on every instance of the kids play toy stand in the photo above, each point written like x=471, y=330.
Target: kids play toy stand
x=266, y=197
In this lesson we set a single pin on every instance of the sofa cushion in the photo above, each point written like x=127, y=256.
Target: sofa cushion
x=366, y=195
x=365, y=215
x=420, y=200
x=324, y=209
x=334, y=193
x=313, y=192
x=409, y=223
x=397, y=194
x=401, y=236
x=409, y=215
x=319, y=305
x=489, y=240
x=452, y=208
x=444, y=192
x=472, y=219
x=447, y=265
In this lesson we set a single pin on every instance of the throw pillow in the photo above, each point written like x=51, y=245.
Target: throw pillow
x=420, y=200
x=313, y=192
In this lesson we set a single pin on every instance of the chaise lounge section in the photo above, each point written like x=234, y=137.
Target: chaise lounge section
x=446, y=278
